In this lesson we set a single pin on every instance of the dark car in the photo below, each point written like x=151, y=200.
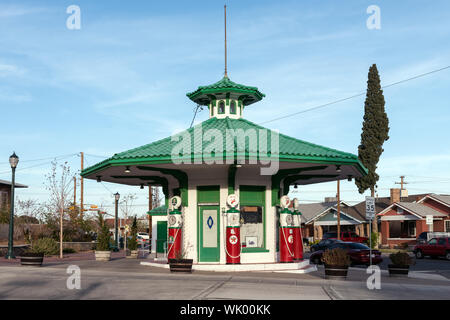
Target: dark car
x=436, y=247
x=358, y=253
x=323, y=244
x=423, y=237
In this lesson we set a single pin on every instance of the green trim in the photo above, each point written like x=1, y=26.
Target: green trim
x=207, y=254
x=232, y=179
x=208, y=194
x=254, y=250
x=218, y=107
x=235, y=107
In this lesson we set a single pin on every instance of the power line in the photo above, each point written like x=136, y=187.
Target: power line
x=40, y=164
x=354, y=96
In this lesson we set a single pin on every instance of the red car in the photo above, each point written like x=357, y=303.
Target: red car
x=436, y=247
x=346, y=236
x=358, y=253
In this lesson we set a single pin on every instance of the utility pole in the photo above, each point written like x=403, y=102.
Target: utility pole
x=81, y=187
x=401, y=183
x=61, y=224
x=150, y=207
x=74, y=191
x=338, y=211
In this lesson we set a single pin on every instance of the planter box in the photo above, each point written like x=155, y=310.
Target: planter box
x=336, y=272
x=102, y=255
x=30, y=259
x=396, y=270
x=181, y=265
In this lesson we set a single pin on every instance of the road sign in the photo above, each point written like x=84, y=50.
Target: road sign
x=429, y=219
x=370, y=208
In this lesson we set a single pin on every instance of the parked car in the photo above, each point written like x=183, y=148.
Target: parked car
x=323, y=244
x=436, y=247
x=358, y=253
x=142, y=241
x=144, y=235
x=346, y=236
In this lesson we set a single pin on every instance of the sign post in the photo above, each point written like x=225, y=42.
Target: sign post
x=370, y=213
x=429, y=222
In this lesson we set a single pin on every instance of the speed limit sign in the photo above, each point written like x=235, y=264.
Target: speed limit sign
x=370, y=208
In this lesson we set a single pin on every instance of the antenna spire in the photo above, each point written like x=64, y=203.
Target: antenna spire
x=225, y=15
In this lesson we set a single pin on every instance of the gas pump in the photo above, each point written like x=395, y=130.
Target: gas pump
x=174, y=222
x=286, y=240
x=233, y=233
x=298, y=239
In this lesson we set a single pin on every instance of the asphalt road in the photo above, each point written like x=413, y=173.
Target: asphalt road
x=439, y=266
x=127, y=279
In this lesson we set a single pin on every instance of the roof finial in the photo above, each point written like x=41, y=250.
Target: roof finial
x=225, y=13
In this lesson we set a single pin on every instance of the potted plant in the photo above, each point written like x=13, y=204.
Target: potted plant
x=102, y=251
x=180, y=263
x=336, y=263
x=400, y=264
x=132, y=245
x=41, y=247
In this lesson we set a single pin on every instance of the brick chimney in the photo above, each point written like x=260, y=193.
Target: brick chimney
x=395, y=195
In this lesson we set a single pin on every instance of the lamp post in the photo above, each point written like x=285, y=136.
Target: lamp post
x=116, y=232
x=13, y=161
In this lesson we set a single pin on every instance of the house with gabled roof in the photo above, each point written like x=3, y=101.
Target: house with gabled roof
x=402, y=222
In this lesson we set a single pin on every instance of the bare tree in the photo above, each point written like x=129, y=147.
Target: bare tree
x=59, y=183
x=126, y=206
x=30, y=208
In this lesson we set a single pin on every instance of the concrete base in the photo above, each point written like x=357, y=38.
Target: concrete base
x=296, y=267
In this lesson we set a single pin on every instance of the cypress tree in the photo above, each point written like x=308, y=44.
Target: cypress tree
x=374, y=132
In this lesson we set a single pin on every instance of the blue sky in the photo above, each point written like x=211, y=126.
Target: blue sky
x=120, y=81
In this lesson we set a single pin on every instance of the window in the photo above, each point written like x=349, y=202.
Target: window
x=221, y=107
x=447, y=226
x=252, y=227
x=3, y=199
x=432, y=241
x=441, y=241
x=233, y=107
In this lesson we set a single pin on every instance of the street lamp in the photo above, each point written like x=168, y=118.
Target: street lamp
x=116, y=232
x=13, y=161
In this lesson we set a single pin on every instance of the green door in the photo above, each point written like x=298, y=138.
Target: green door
x=208, y=223
x=161, y=231
x=209, y=228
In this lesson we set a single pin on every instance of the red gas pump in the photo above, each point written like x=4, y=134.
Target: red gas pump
x=286, y=239
x=297, y=223
x=174, y=223
x=233, y=233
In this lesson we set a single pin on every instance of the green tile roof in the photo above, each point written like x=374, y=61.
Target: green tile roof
x=204, y=94
x=158, y=211
x=290, y=149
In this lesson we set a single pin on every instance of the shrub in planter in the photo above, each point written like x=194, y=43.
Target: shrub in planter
x=46, y=246
x=336, y=263
x=180, y=263
x=132, y=244
x=400, y=264
x=102, y=250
